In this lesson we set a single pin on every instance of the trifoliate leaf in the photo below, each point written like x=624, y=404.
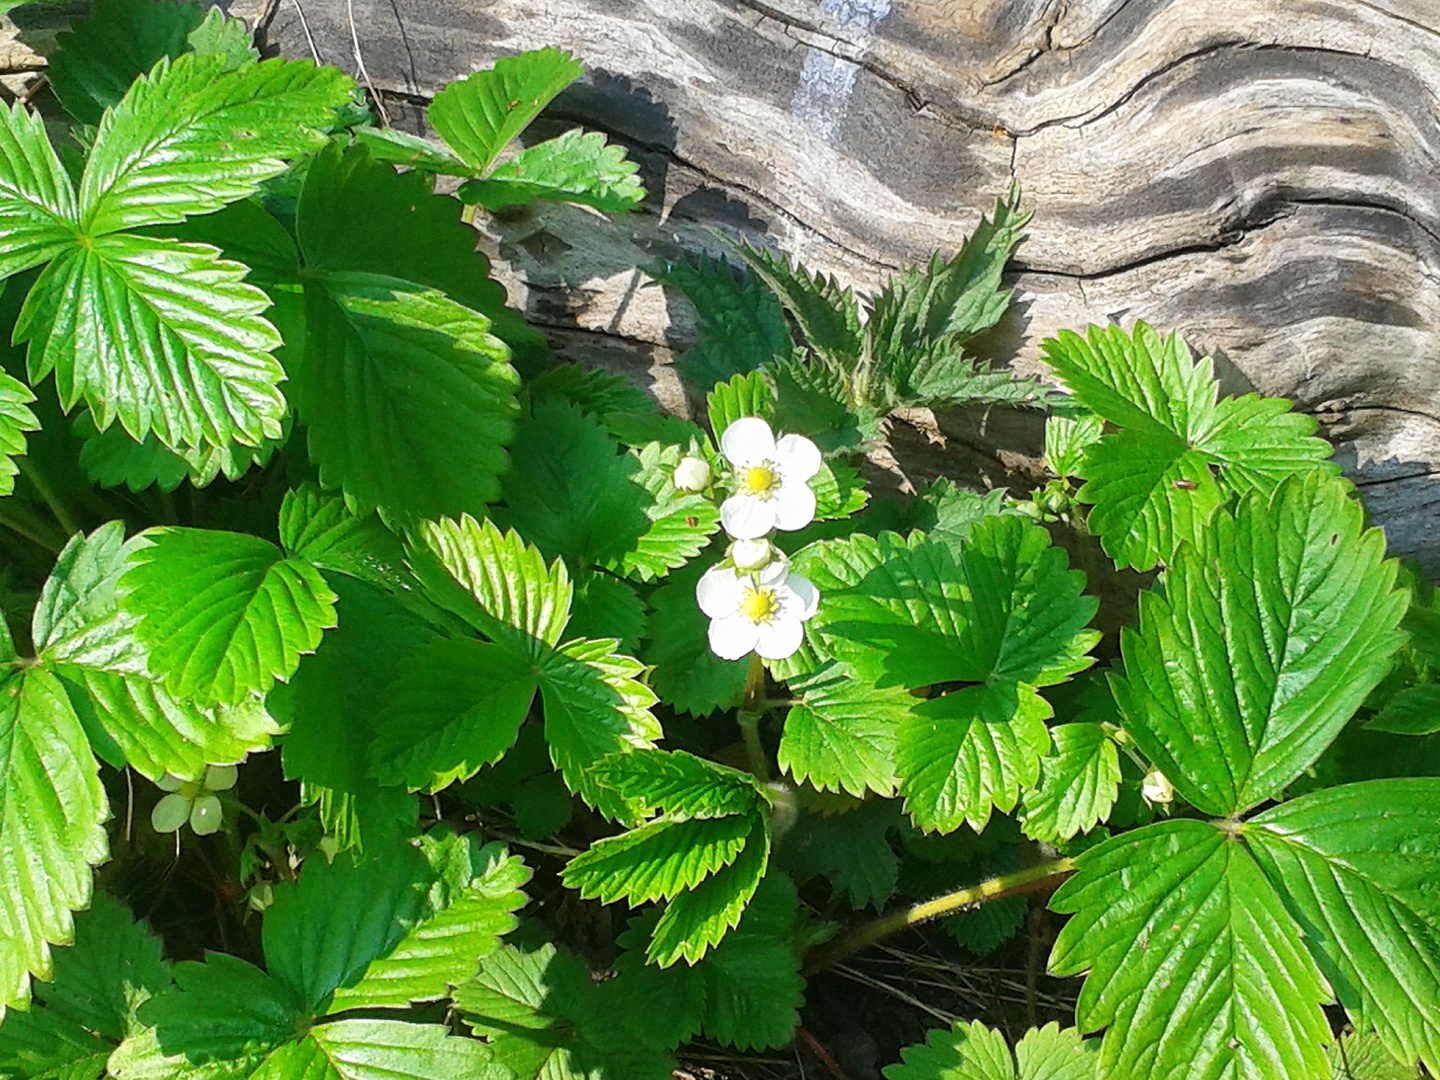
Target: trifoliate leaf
x=828, y=315
x=37, y=198
x=390, y=370
x=156, y=156
x=1357, y=867
x=1196, y=968
x=51, y=812
x=1066, y=440
x=851, y=850
x=478, y=116
x=320, y=528
x=680, y=523
x=576, y=168
x=741, y=324
x=697, y=920
x=411, y=234
x=469, y=907
x=496, y=582
x=657, y=861
x=840, y=735
x=604, y=606
x=972, y=749
x=223, y=614
x=545, y=1018
x=1413, y=711
x=1268, y=637
x=1154, y=483
x=164, y=337
x=686, y=674
x=595, y=705
x=743, y=395
x=571, y=492
x=455, y=706
x=753, y=987
x=947, y=301
x=971, y=1051
x=329, y=707
x=1079, y=780
x=679, y=784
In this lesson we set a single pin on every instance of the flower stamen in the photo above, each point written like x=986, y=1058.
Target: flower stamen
x=759, y=605
x=761, y=480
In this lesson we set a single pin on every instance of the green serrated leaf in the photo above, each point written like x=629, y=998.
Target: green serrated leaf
x=156, y=154
x=396, y=147
x=595, y=705
x=657, y=861
x=1079, y=781
x=15, y=419
x=329, y=706
x=1268, y=637
x=223, y=614
x=828, y=315
x=816, y=397
x=753, y=986
x=381, y=1050
x=605, y=605
x=971, y=1051
x=391, y=368
x=1362, y=1056
x=851, y=849
x=947, y=513
x=741, y=324
x=681, y=785
x=455, y=706
x=1180, y=910
x=37, y=198
x=223, y=36
x=1066, y=440
x=1357, y=866
x=1413, y=711
x=1154, y=483
x=52, y=808
x=743, y=395
x=164, y=337
x=841, y=734
x=697, y=920
x=478, y=116
x=411, y=234
x=952, y=300
x=469, y=908
x=496, y=582
x=575, y=167
x=680, y=523
x=320, y=528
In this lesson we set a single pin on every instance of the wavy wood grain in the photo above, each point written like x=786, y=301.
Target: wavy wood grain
x=1261, y=175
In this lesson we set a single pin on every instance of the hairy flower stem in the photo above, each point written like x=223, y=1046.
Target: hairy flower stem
x=752, y=707
x=1031, y=879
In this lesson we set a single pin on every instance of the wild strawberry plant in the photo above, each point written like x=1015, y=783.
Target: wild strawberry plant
x=324, y=585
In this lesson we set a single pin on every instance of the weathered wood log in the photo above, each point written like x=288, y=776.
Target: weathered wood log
x=1261, y=175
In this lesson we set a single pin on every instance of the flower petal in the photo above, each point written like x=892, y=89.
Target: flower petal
x=747, y=518
x=170, y=813
x=799, y=598
x=794, y=506
x=797, y=458
x=747, y=441
x=775, y=573
x=206, y=815
x=221, y=777
x=732, y=637
x=719, y=591
x=778, y=638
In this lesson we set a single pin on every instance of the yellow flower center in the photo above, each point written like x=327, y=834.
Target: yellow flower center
x=759, y=605
x=761, y=480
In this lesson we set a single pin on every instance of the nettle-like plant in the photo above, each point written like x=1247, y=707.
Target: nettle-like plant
x=304, y=481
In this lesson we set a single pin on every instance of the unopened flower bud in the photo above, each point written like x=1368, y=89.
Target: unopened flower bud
x=1157, y=788
x=749, y=555
x=692, y=475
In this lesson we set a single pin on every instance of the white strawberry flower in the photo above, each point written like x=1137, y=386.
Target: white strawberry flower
x=763, y=612
x=192, y=801
x=771, y=477
x=1157, y=788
